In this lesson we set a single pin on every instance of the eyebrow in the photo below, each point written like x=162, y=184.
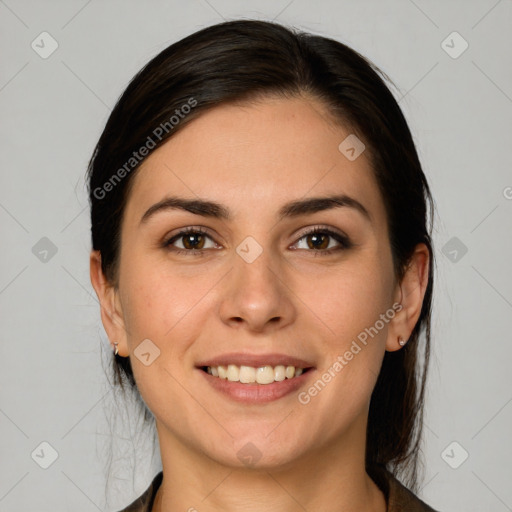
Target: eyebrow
x=289, y=210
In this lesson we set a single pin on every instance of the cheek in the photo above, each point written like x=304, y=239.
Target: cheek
x=348, y=299
x=352, y=305
x=168, y=308
x=155, y=301
x=161, y=308
x=352, y=350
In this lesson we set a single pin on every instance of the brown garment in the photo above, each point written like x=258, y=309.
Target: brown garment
x=398, y=497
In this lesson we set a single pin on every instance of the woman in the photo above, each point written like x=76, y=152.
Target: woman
x=261, y=255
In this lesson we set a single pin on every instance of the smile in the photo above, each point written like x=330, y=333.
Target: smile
x=250, y=375
x=232, y=385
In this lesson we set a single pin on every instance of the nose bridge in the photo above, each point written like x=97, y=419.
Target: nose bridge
x=256, y=295
x=256, y=268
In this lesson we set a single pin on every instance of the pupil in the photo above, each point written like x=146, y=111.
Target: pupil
x=191, y=241
x=318, y=238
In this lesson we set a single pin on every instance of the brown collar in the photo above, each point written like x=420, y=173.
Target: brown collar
x=398, y=497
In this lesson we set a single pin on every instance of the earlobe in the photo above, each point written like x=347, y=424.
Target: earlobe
x=110, y=308
x=395, y=342
x=412, y=291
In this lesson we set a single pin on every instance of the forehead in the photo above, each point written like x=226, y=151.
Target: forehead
x=254, y=157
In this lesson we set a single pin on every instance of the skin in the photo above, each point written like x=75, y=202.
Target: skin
x=254, y=158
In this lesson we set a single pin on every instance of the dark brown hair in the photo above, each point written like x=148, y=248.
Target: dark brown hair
x=245, y=60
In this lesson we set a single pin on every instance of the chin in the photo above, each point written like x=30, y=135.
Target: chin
x=259, y=453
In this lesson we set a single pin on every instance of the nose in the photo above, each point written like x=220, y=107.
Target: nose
x=256, y=296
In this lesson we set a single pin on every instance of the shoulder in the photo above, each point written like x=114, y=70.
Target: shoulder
x=144, y=503
x=398, y=497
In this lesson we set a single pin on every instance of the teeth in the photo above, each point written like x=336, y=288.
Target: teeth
x=279, y=373
x=233, y=373
x=223, y=372
x=265, y=375
x=249, y=374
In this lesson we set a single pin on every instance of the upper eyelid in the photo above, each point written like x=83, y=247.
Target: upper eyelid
x=302, y=233
x=321, y=228
x=185, y=231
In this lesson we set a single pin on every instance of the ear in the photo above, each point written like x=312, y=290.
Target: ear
x=409, y=293
x=110, y=305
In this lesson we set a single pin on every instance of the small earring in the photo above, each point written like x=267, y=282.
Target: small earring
x=116, y=351
x=401, y=341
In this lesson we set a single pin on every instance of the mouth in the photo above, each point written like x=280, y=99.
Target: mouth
x=261, y=375
x=255, y=379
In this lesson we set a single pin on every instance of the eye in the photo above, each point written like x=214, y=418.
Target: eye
x=323, y=241
x=190, y=240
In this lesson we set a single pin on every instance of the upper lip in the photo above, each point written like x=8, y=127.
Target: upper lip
x=255, y=360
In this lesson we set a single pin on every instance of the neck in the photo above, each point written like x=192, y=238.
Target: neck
x=331, y=478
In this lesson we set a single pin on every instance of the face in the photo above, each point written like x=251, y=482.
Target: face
x=256, y=282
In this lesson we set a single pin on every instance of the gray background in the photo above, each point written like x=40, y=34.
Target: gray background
x=53, y=348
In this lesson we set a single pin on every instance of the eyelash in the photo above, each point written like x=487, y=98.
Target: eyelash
x=343, y=240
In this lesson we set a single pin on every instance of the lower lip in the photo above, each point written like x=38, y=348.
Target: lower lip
x=256, y=393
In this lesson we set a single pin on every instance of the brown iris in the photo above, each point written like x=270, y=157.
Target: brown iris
x=319, y=241
x=193, y=241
